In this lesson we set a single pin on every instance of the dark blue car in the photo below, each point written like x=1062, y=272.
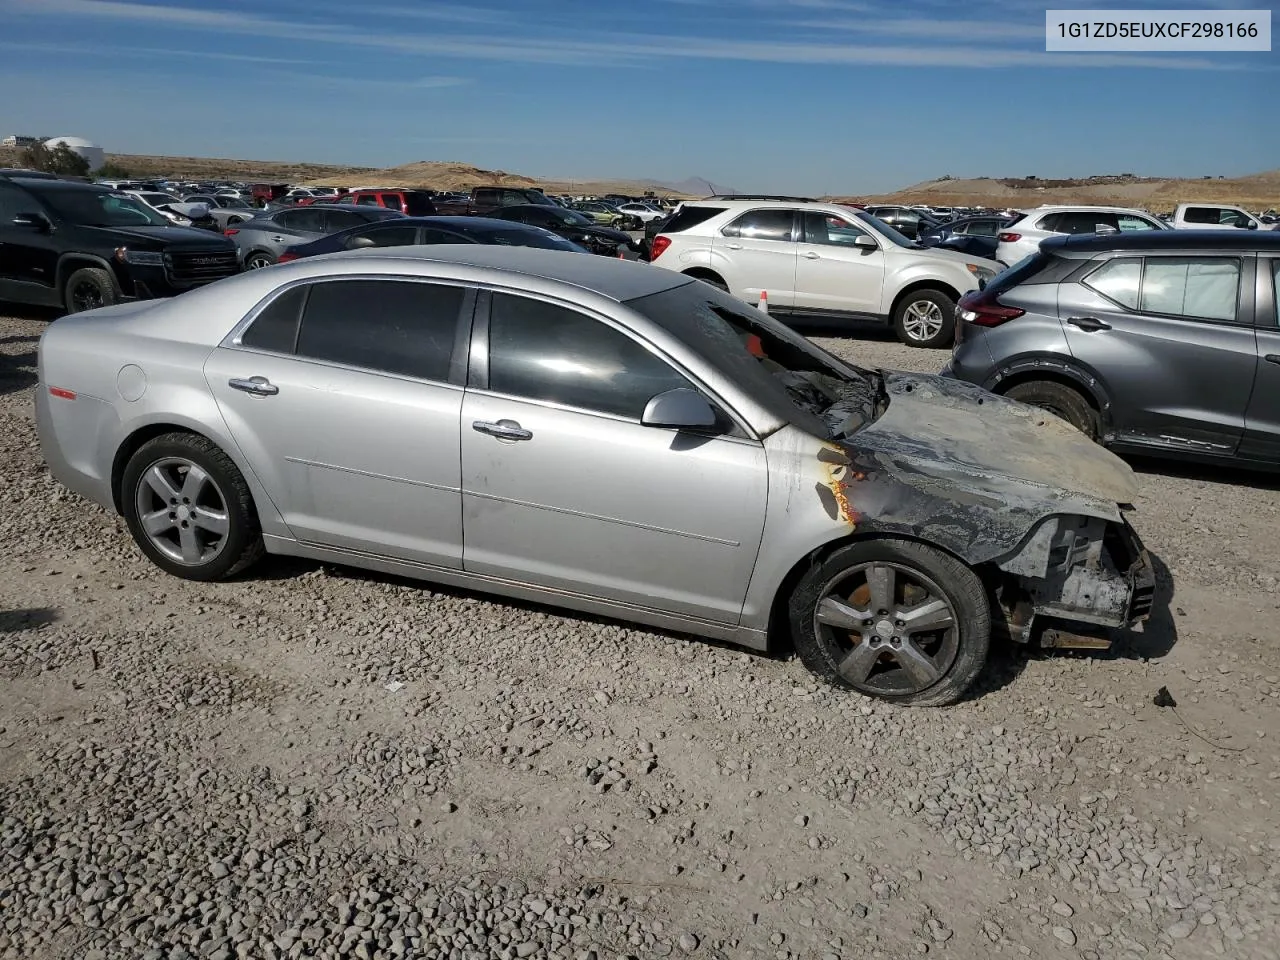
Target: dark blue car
x=976, y=236
x=412, y=231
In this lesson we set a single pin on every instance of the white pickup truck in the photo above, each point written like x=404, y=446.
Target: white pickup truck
x=1215, y=216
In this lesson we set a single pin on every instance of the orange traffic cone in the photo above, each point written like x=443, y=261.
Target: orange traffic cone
x=764, y=301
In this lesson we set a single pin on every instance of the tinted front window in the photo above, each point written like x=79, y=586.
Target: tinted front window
x=390, y=326
x=545, y=352
x=382, y=237
x=1120, y=280
x=1203, y=288
x=335, y=220
x=306, y=221
x=1200, y=215
x=830, y=230
x=762, y=225
x=419, y=205
x=12, y=202
x=93, y=209
x=276, y=327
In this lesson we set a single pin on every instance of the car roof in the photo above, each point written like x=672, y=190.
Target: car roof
x=1165, y=241
x=619, y=280
x=1082, y=208
x=46, y=183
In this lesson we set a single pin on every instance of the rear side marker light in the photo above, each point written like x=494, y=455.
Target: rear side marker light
x=59, y=392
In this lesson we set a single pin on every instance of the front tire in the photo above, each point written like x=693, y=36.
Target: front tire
x=258, y=260
x=893, y=619
x=189, y=508
x=925, y=318
x=1062, y=401
x=87, y=289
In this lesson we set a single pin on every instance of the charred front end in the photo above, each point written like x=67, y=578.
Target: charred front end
x=1073, y=581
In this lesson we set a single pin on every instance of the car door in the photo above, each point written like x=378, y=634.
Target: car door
x=344, y=397
x=757, y=251
x=28, y=256
x=1172, y=340
x=1261, y=439
x=564, y=488
x=299, y=225
x=382, y=235
x=832, y=274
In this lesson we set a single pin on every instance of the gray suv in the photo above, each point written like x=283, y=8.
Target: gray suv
x=1161, y=343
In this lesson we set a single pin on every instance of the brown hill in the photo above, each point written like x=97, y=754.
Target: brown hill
x=435, y=175
x=1257, y=192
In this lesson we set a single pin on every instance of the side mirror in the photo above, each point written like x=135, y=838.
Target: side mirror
x=37, y=221
x=681, y=409
x=355, y=243
x=865, y=242
x=1104, y=229
x=1251, y=225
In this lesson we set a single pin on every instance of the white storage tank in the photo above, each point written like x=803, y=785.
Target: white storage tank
x=93, y=153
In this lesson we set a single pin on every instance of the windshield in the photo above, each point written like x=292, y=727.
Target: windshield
x=784, y=371
x=234, y=203
x=93, y=209
x=573, y=217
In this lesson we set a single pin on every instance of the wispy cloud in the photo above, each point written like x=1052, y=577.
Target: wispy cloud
x=115, y=52
x=369, y=83
x=631, y=49
x=964, y=30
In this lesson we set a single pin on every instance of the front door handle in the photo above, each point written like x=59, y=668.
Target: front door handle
x=810, y=255
x=1272, y=358
x=254, y=386
x=734, y=246
x=1090, y=324
x=503, y=429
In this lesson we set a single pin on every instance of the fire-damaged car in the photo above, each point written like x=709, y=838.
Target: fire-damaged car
x=602, y=436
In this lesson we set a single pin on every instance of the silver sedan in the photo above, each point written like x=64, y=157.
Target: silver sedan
x=600, y=435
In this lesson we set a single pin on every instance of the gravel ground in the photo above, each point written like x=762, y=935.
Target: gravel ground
x=318, y=762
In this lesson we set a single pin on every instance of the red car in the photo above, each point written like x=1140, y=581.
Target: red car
x=414, y=203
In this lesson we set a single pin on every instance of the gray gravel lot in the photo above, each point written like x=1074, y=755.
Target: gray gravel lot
x=319, y=762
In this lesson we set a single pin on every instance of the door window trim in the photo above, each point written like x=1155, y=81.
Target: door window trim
x=1267, y=293
x=1245, y=283
x=457, y=360
x=478, y=372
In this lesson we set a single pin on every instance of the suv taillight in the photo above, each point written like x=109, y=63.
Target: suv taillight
x=230, y=232
x=660, y=243
x=286, y=257
x=1009, y=237
x=984, y=309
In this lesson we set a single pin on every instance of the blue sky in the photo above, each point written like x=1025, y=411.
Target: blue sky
x=819, y=96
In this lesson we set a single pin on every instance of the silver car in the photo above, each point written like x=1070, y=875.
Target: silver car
x=600, y=435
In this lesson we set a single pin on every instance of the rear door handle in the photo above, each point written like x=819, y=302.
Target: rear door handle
x=503, y=429
x=734, y=246
x=278, y=239
x=254, y=386
x=1090, y=324
x=1272, y=358
x=810, y=255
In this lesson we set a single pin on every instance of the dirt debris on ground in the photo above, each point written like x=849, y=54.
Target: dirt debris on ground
x=320, y=762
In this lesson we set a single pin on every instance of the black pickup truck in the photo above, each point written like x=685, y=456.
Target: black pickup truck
x=485, y=200
x=79, y=246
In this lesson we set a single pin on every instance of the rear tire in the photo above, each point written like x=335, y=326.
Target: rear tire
x=189, y=508
x=257, y=260
x=87, y=289
x=925, y=318
x=1062, y=401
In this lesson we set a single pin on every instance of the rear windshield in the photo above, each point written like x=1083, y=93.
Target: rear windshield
x=1024, y=271
x=689, y=217
x=419, y=205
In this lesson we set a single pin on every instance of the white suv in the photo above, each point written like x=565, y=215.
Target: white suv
x=821, y=261
x=1022, y=236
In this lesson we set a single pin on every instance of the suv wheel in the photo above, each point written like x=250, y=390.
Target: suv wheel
x=925, y=318
x=87, y=289
x=1062, y=401
x=257, y=260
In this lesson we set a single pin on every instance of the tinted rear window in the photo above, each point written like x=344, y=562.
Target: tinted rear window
x=690, y=217
x=1025, y=270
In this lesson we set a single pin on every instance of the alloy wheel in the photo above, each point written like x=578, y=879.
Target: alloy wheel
x=922, y=320
x=86, y=295
x=892, y=630
x=182, y=511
